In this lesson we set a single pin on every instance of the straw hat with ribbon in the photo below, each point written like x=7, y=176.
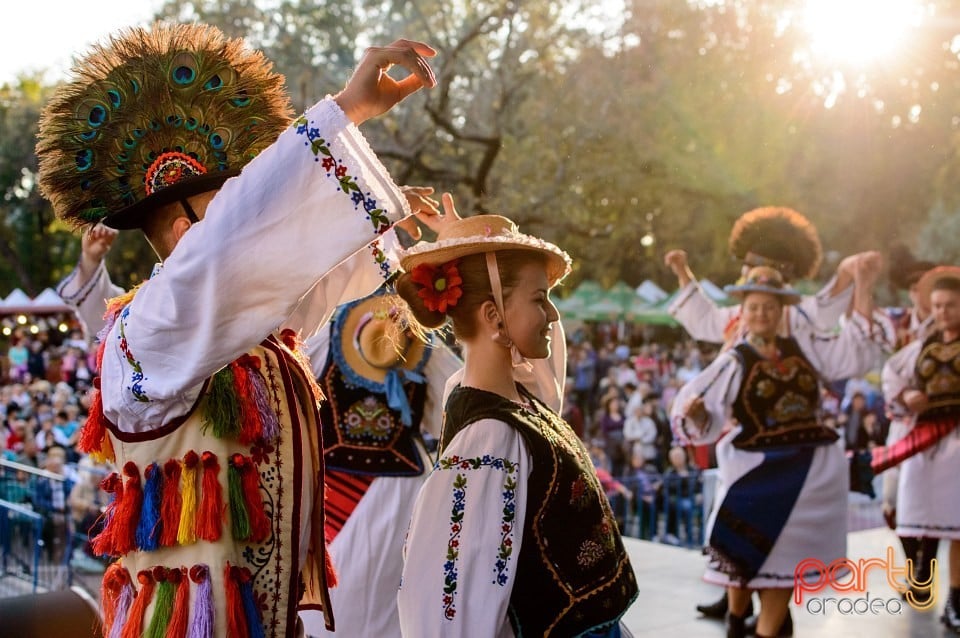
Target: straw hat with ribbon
x=376, y=351
x=764, y=279
x=483, y=234
x=432, y=265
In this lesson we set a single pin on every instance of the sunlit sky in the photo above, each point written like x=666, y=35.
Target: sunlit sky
x=44, y=34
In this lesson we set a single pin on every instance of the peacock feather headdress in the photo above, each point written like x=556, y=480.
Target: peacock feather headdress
x=153, y=116
x=779, y=237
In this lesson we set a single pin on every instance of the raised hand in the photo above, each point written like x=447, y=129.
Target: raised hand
x=370, y=91
x=94, y=246
x=676, y=260
x=422, y=206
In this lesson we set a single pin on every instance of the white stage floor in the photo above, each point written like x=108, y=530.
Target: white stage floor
x=671, y=585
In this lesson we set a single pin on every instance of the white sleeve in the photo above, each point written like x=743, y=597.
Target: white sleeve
x=823, y=309
x=460, y=554
x=897, y=374
x=442, y=365
x=851, y=352
x=88, y=298
x=366, y=270
x=717, y=385
x=699, y=316
x=310, y=201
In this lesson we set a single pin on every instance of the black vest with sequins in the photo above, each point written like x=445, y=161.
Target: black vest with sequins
x=573, y=573
x=778, y=401
x=937, y=372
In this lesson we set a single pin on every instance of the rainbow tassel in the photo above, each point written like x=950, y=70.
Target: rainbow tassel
x=171, y=503
x=236, y=618
x=116, y=596
x=269, y=424
x=210, y=518
x=163, y=607
x=149, y=526
x=94, y=439
x=250, y=426
x=250, y=482
x=250, y=610
x=186, y=533
x=104, y=543
x=221, y=410
x=133, y=628
x=239, y=519
x=203, y=614
x=128, y=511
x=181, y=603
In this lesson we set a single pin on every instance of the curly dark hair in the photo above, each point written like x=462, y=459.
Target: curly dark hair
x=783, y=237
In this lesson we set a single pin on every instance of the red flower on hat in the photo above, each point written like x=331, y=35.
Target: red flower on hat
x=440, y=287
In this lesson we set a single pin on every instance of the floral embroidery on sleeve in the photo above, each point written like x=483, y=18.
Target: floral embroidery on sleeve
x=337, y=169
x=508, y=515
x=136, y=386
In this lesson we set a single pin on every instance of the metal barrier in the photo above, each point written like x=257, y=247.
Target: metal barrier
x=663, y=508
x=36, y=542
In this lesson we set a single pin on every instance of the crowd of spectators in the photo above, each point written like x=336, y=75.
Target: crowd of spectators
x=618, y=396
x=43, y=405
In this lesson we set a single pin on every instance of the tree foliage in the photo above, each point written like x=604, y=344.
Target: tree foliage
x=618, y=129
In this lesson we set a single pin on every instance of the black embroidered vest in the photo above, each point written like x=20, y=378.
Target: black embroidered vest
x=573, y=574
x=778, y=400
x=361, y=433
x=937, y=372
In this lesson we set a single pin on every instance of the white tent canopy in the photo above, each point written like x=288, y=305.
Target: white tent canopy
x=651, y=292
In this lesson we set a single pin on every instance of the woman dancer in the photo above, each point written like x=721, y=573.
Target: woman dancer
x=513, y=505
x=783, y=474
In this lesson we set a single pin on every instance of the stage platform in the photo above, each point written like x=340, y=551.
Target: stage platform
x=671, y=585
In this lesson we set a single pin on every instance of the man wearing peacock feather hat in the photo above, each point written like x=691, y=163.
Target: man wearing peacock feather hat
x=205, y=401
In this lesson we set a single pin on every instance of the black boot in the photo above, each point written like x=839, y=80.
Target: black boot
x=950, y=616
x=786, y=627
x=716, y=610
x=736, y=626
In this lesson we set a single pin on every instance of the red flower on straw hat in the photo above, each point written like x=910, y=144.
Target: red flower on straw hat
x=440, y=287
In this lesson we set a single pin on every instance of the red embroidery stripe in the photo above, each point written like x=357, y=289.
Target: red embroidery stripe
x=343, y=493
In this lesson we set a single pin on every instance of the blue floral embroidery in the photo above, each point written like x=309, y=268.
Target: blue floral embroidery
x=505, y=550
x=136, y=387
x=348, y=183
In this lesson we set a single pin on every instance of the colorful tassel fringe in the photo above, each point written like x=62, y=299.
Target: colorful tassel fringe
x=181, y=603
x=103, y=544
x=116, y=596
x=203, y=609
x=128, y=512
x=163, y=607
x=171, y=503
x=236, y=618
x=250, y=481
x=149, y=528
x=133, y=628
x=269, y=423
x=187, y=533
x=210, y=518
x=222, y=406
x=250, y=610
x=239, y=518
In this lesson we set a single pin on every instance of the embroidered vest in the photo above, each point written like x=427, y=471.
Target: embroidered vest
x=573, y=574
x=937, y=373
x=778, y=400
x=361, y=433
x=208, y=512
